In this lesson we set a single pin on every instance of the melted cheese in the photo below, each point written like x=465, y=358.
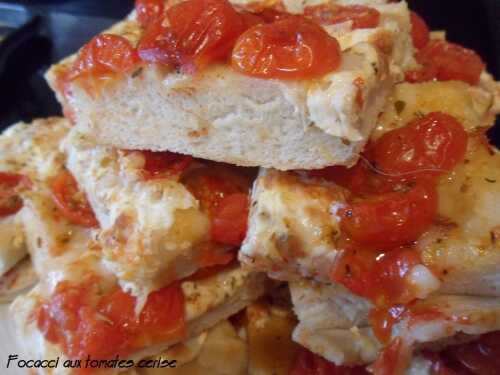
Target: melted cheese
x=292, y=231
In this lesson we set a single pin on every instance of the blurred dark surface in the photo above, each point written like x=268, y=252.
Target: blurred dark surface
x=59, y=27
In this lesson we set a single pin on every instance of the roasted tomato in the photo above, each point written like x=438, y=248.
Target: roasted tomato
x=11, y=184
x=164, y=164
x=380, y=277
x=149, y=11
x=362, y=17
x=229, y=224
x=386, y=221
x=200, y=32
x=419, y=31
x=73, y=319
x=71, y=201
x=104, y=55
x=427, y=146
x=291, y=48
x=308, y=363
x=451, y=61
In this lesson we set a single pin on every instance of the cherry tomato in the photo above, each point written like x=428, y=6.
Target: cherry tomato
x=427, y=146
x=164, y=164
x=308, y=363
x=453, y=62
x=251, y=19
x=11, y=184
x=211, y=186
x=105, y=54
x=206, y=30
x=291, y=48
x=386, y=221
x=149, y=11
x=419, y=31
x=229, y=224
x=362, y=17
x=74, y=319
x=378, y=276
x=71, y=202
x=159, y=45
x=213, y=260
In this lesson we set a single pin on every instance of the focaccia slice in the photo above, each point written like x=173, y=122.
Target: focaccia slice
x=335, y=324
x=294, y=227
x=207, y=302
x=153, y=229
x=29, y=150
x=222, y=115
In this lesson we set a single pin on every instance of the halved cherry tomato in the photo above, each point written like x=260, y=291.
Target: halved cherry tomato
x=206, y=30
x=211, y=186
x=229, y=225
x=362, y=17
x=159, y=45
x=105, y=54
x=380, y=277
x=308, y=363
x=291, y=48
x=149, y=11
x=164, y=164
x=386, y=221
x=11, y=184
x=453, y=62
x=71, y=201
x=427, y=146
x=419, y=31
x=200, y=32
x=73, y=319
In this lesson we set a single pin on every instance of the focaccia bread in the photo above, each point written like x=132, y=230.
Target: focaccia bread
x=29, y=150
x=154, y=229
x=220, y=114
x=294, y=226
x=207, y=302
x=336, y=324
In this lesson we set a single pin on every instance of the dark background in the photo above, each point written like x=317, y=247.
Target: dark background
x=60, y=27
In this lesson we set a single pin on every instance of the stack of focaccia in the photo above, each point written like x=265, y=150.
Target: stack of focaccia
x=296, y=187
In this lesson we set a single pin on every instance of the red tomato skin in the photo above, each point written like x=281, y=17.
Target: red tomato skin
x=419, y=31
x=290, y=48
x=426, y=147
x=229, y=225
x=159, y=45
x=390, y=220
x=64, y=188
x=452, y=62
x=148, y=11
x=206, y=30
x=73, y=319
x=11, y=184
x=164, y=164
x=362, y=17
x=104, y=55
